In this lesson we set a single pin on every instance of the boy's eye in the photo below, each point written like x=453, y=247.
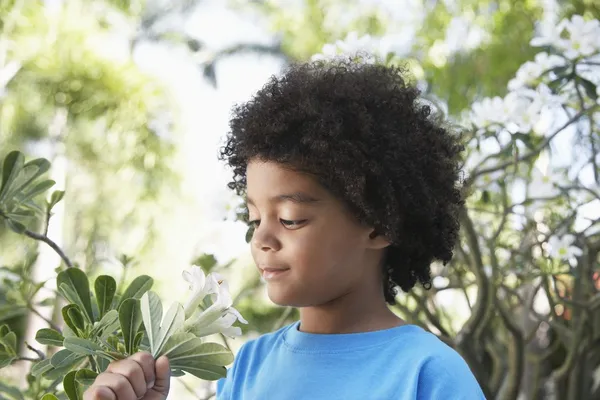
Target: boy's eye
x=291, y=224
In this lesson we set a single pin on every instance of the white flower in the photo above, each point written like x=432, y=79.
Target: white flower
x=200, y=287
x=575, y=37
x=583, y=37
x=219, y=317
x=542, y=185
x=529, y=72
x=562, y=248
x=487, y=112
x=366, y=47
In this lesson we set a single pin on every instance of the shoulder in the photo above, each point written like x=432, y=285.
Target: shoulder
x=442, y=369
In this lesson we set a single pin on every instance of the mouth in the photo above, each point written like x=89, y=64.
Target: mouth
x=270, y=273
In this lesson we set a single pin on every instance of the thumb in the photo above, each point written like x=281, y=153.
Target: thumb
x=163, y=376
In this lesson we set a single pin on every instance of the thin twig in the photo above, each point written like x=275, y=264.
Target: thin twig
x=49, y=322
x=50, y=243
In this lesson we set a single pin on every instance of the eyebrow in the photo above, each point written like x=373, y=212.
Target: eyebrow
x=296, y=197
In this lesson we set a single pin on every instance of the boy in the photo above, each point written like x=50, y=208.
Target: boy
x=351, y=191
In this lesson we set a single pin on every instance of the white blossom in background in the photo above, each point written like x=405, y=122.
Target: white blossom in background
x=575, y=37
x=368, y=48
x=488, y=111
x=563, y=248
x=7, y=72
x=530, y=72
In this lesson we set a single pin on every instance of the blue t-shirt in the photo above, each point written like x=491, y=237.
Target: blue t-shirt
x=401, y=363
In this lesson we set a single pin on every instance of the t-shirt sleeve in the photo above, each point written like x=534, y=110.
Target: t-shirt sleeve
x=448, y=377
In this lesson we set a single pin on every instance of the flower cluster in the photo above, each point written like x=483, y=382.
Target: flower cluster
x=217, y=317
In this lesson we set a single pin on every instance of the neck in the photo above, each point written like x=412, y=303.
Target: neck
x=349, y=313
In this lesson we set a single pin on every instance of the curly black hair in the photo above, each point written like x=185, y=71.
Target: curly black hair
x=367, y=136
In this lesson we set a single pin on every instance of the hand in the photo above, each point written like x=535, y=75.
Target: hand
x=136, y=377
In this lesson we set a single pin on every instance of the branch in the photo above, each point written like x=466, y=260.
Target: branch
x=49, y=322
x=49, y=242
x=529, y=155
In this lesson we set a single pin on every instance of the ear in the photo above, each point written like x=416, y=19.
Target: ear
x=377, y=241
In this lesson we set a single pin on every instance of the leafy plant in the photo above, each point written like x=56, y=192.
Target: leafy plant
x=102, y=326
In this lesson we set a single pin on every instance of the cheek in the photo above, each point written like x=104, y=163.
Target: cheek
x=322, y=254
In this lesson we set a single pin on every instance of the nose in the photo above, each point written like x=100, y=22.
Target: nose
x=265, y=238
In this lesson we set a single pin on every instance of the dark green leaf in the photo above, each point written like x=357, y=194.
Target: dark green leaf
x=137, y=288
x=136, y=342
x=50, y=337
x=105, y=288
x=590, y=88
x=78, y=282
x=73, y=318
x=130, y=317
x=71, y=387
x=16, y=227
x=49, y=396
x=13, y=164
x=86, y=376
x=195, y=351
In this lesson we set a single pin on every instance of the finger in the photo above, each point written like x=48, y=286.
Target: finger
x=163, y=376
x=134, y=373
x=118, y=384
x=146, y=361
x=99, y=393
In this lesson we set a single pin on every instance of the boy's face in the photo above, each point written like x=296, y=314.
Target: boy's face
x=308, y=247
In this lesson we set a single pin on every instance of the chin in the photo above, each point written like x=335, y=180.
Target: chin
x=283, y=298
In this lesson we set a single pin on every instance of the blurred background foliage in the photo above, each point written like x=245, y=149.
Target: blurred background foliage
x=129, y=100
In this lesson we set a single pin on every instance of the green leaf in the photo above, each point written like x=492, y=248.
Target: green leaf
x=175, y=373
x=39, y=188
x=73, y=318
x=6, y=359
x=56, y=197
x=16, y=227
x=71, y=387
x=9, y=343
x=172, y=321
x=208, y=372
x=136, y=342
x=137, y=288
x=81, y=346
x=151, y=315
x=590, y=88
x=64, y=358
x=107, y=325
x=9, y=311
x=49, y=396
x=77, y=281
x=4, y=329
x=86, y=376
x=130, y=317
x=105, y=288
x=50, y=337
x=12, y=392
x=195, y=351
x=13, y=164
x=41, y=368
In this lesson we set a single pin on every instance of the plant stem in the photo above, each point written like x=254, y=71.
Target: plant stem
x=36, y=312
x=50, y=243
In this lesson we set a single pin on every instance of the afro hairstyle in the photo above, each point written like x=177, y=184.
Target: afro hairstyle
x=365, y=134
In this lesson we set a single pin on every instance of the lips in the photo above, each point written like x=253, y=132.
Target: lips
x=271, y=272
